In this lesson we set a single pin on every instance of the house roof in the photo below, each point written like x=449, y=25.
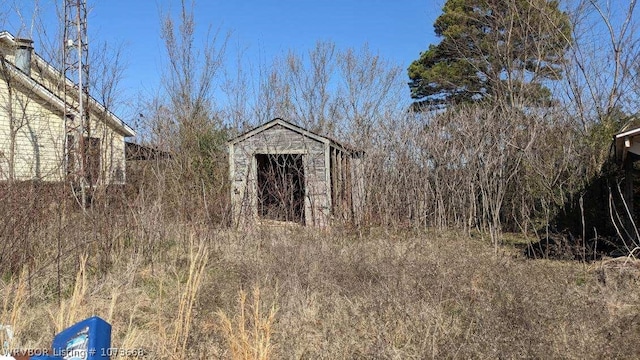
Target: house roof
x=628, y=133
x=627, y=141
x=292, y=127
x=50, y=96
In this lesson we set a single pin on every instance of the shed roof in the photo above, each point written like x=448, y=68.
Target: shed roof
x=295, y=128
x=135, y=151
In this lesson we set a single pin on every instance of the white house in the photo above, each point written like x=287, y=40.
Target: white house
x=38, y=129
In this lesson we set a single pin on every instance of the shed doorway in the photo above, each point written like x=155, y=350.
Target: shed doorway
x=281, y=187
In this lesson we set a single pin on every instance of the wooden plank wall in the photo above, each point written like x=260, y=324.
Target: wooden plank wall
x=347, y=184
x=334, y=176
x=279, y=140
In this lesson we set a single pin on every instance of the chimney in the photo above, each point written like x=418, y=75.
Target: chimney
x=24, y=48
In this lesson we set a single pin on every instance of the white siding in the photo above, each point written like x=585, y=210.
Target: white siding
x=38, y=139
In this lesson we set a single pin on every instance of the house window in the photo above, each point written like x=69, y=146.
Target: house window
x=118, y=175
x=91, y=159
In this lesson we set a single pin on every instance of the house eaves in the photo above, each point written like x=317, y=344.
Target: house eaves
x=110, y=118
x=627, y=142
x=37, y=88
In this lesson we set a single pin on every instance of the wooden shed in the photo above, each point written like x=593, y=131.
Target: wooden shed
x=280, y=171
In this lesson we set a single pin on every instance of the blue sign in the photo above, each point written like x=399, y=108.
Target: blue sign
x=89, y=339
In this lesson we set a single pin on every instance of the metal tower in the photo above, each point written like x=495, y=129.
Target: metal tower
x=76, y=68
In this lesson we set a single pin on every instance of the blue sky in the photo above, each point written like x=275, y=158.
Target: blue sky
x=261, y=30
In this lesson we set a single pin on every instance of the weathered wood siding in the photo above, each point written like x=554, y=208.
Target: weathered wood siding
x=358, y=193
x=280, y=140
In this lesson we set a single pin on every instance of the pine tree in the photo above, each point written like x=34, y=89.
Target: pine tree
x=503, y=50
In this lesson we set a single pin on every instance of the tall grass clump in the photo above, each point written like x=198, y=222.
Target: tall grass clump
x=248, y=333
x=71, y=310
x=15, y=294
x=198, y=255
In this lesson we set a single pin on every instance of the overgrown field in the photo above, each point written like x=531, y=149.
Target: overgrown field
x=187, y=292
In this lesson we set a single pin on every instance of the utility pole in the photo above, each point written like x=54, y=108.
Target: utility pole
x=76, y=68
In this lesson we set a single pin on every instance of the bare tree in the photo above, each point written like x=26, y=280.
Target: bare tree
x=600, y=74
x=182, y=118
x=190, y=77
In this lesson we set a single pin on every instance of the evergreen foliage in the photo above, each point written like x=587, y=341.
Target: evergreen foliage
x=492, y=49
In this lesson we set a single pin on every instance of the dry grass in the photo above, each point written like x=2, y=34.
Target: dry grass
x=248, y=333
x=72, y=310
x=14, y=295
x=338, y=294
x=198, y=255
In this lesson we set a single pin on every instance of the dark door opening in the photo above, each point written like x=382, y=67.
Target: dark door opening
x=281, y=187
